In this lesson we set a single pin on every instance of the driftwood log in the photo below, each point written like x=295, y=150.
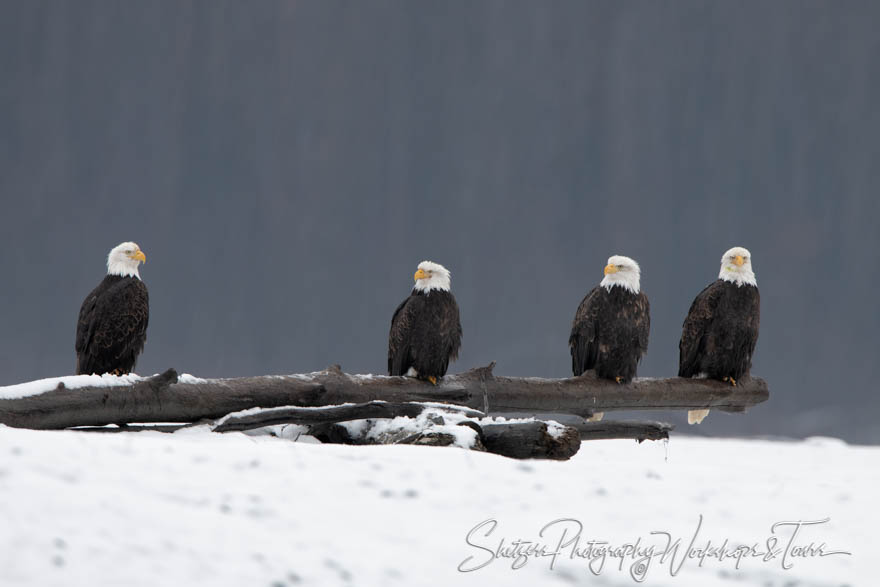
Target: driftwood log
x=163, y=399
x=604, y=430
x=519, y=439
x=516, y=439
x=312, y=416
x=608, y=429
x=530, y=440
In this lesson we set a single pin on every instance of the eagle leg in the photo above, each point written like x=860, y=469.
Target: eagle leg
x=432, y=379
x=618, y=379
x=730, y=380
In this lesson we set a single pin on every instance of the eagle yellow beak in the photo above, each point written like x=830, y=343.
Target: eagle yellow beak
x=420, y=274
x=738, y=261
x=610, y=269
x=139, y=256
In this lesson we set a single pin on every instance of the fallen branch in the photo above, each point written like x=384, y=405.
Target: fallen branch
x=163, y=399
x=638, y=430
x=287, y=415
x=531, y=440
x=604, y=430
x=518, y=440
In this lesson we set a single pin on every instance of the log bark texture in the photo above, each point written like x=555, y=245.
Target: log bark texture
x=517, y=440
x=327, y=432
x=609, y=429
x=530, y=440
x=311, y=416
x=163, y=399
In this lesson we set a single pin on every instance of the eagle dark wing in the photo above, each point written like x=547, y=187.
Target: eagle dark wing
x=754, y=323
x=643, y=320
x=112, y=327
x=85, y=324
x=695, y=328
x=450, y=328
x=583, y=340
x=399, y=338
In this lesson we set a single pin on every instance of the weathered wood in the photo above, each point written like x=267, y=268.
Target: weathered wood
x=370, y=410
x=610, y=429
x=530, y=440
x=164, y=399
x=517, y=440
x=165, y=428
x=155, y=399
x=605, y=430
x=339, y=433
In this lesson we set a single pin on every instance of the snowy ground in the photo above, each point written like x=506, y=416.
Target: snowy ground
x=196, y=508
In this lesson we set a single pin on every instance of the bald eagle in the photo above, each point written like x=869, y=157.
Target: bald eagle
x=719, y=334
x=112, y=325
x=611, y=325
x=425, y=330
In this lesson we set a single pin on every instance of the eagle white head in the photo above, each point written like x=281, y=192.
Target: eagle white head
x=736, y=267
x=124, y=259
x=621, y=271
x=431, y=276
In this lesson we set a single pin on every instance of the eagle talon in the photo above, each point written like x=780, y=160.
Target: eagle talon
x=432, y=379
x=619, y=379
x=730, y=380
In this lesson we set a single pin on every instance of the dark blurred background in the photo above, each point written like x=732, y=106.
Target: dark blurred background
x=285, y=166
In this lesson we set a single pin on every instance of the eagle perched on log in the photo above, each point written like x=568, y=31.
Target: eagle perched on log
x=720, y=332
x=611, y=325
x=426, y=329
x=112, y=326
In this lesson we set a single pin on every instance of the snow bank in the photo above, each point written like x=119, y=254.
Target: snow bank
x=196, y=508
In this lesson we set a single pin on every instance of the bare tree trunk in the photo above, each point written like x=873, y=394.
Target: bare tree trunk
x=163, y=399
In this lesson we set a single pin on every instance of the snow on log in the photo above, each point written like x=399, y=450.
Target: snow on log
x=604, y=430
x=518, y=439
x=258, y=418
x=164, y=398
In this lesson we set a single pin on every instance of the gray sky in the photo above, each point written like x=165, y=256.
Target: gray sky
x=285, y=166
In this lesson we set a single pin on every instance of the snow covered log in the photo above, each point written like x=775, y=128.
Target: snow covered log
x=518, y=439
x=161, y=398
x=331, y=414
x=166, y=398
x=604, y=430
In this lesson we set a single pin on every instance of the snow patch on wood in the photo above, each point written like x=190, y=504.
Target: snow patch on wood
x=40, y=386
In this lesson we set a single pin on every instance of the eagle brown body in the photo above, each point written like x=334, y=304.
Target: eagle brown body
x=719, y=335
x=610, y=333
x=112, y=326
x=425, y=334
